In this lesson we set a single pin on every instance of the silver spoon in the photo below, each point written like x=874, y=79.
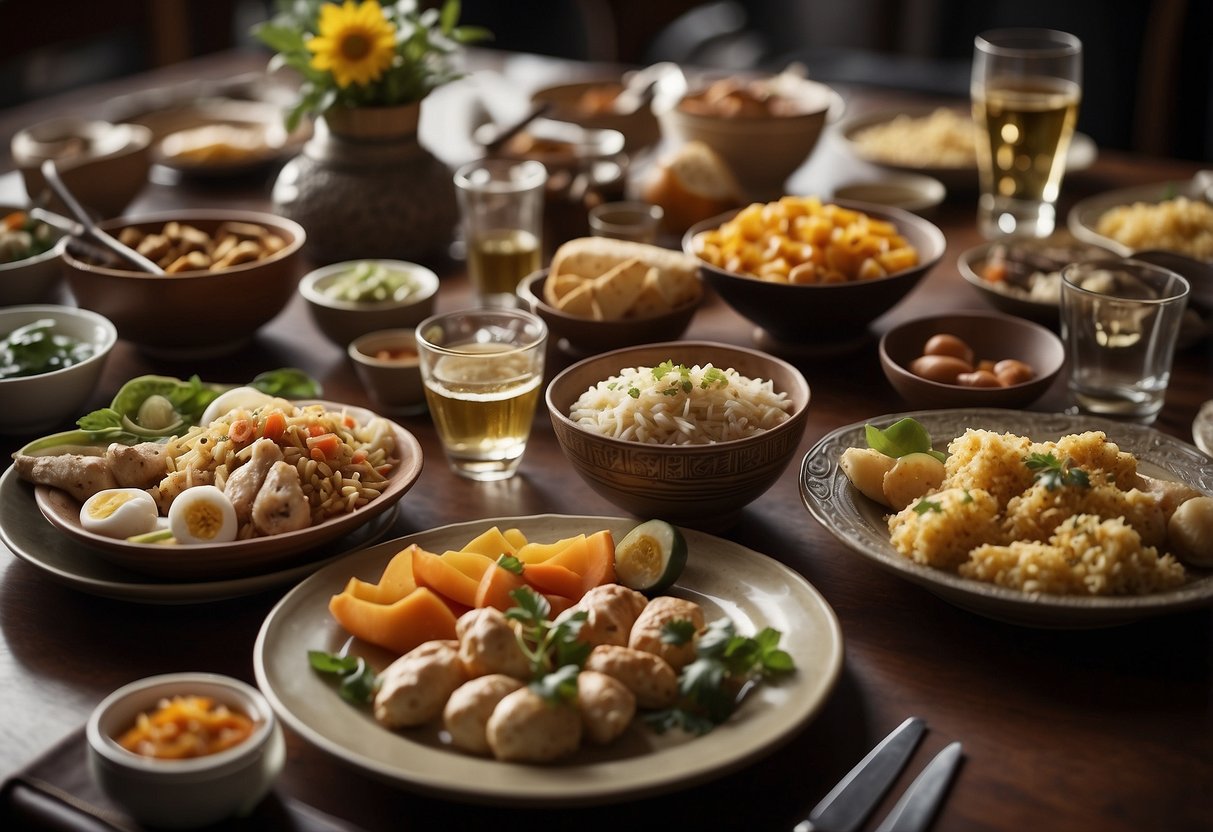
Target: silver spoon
x=51, y=174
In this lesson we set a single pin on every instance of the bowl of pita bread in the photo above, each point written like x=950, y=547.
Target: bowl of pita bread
x=603, y=294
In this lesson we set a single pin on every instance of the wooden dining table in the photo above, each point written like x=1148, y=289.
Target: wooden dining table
x=1107, y=728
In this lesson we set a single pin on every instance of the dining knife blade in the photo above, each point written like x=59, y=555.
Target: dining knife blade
x=917, y=807
x=850, y=802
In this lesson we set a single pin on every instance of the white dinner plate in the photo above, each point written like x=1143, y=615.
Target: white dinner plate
x=68, y=561
x=725, y=578
x=860, y=522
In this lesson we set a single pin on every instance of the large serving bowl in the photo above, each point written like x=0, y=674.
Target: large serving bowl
x=704, y=486
x=993, y=337
x=104, y=165
x=584, y=336
x=764, y=150
x=195, y=791
x=33, y=279
x=344, y=320
x=822, y=314
x=47, y=401
x=193, y=313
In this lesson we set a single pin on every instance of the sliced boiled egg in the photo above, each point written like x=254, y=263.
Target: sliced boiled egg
x=202, y=514
x=119, y=512
x=245, y=398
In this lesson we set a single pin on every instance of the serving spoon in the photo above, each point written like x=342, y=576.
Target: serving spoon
x=90, y=229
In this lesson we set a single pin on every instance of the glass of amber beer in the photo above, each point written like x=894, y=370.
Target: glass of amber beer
x=502, y=205
x=483, y=373
x=1026, y=87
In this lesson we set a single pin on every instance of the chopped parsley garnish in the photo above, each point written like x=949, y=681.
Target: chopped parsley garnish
x=928, y=505
x=682, y=383
x=1054, y=473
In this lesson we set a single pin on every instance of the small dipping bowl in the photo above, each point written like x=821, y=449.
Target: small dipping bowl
x=388, y=367
x=193, y=792
x=636, y=221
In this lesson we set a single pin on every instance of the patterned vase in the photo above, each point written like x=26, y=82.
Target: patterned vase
x=364, y=187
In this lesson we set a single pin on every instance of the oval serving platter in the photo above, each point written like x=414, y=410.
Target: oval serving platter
x=860, y=523
x=214, y=561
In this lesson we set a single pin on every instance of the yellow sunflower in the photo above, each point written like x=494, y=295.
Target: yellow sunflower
x=356, y=43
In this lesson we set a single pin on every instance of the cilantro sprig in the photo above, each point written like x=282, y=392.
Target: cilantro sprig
x=357, y=681
x=1054, y=473
x=548, y=645
x=726, y=667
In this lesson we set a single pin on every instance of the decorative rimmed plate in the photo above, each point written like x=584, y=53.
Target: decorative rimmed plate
x=727, y=579
x=65, y=560
x=217, y=561
x=1081, y=155
x=859, y=522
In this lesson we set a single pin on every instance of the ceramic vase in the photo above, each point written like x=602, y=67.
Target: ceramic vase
x=364, y=187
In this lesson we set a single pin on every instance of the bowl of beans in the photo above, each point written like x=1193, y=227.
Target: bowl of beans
x=51, y=358
x=810, y=272
x=226, y=274
x=185, y=750
x=972, y=359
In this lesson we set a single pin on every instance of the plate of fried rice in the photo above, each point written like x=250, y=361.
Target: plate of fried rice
x=997, y=540
x=352, y=466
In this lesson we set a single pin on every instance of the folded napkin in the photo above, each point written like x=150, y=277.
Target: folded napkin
x=56, y=792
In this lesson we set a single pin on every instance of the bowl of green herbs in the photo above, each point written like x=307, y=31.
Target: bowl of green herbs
x=51, y=359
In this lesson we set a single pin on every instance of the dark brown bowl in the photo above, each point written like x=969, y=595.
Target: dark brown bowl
x=991, y=336
x=195, y=313
x=703, y=486
x=583, y=336
x=817, y=314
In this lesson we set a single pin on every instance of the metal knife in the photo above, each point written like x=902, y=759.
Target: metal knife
x=917, y=807
x=850, y=802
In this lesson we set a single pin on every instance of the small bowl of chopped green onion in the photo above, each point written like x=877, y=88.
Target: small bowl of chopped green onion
x=30, y=267
x=51, y=358
x=353, y=298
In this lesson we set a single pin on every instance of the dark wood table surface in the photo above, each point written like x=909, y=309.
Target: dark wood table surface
x=1108, y=729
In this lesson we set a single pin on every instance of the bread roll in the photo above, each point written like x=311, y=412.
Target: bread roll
x=693, y=185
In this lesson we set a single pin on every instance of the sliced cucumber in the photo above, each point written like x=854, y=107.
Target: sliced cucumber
x=650, y=557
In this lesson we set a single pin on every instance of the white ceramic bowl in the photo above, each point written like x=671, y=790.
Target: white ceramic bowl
x=394, y=382
x=31, y=280
x=342, y=321
x=188, y=793
x=54, y=400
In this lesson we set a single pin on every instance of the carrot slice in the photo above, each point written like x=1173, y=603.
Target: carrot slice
x=495, y=588
x=241, y=431
x=539, y=552
x=548, y=577
x=418, y=617
x=275, y=425
x=328, y=445
x=593, y=560
x=440, y=575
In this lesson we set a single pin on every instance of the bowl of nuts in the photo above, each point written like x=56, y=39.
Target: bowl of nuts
x=226, y=274
x=973, y=359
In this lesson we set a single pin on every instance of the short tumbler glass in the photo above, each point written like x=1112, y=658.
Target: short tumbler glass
x=1119, y=321
x=483, y=374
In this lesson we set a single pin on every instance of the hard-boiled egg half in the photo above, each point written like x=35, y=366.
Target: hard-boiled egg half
x=202, y=514
x=119, y=512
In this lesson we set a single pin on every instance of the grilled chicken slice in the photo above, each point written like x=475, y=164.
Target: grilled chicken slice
x=137, y=466
x=79, y=475
x=245, y=482
x=280, y=505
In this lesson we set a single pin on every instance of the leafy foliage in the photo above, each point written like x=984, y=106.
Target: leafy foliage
x=426, y=44
x=1055, y=473
x=550, y=646
x=357, y=682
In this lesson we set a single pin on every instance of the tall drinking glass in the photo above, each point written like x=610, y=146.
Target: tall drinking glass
x=502, y=205
x=483, y=373
x=1026, y=87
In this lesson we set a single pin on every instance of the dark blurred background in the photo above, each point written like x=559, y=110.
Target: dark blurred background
x=1148, y=65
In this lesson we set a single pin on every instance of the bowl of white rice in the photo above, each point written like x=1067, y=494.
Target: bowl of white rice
x=686, y=431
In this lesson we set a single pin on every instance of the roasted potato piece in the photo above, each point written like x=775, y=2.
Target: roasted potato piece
x=467, y=712
x=415, y=688
x=650, y=678
x=487, y=644
x=525, y=727
x=648, y=631
x=606, y=705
